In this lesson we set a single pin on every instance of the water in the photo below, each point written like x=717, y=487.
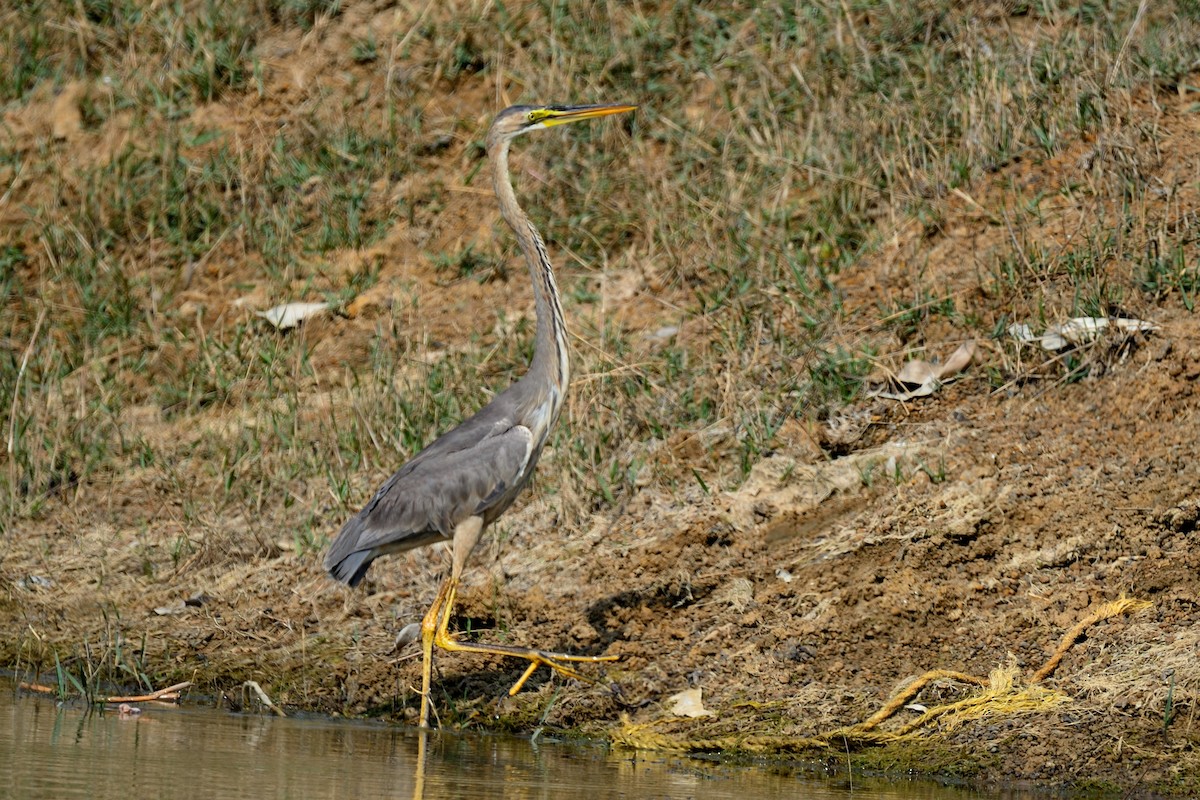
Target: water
x=52, y=751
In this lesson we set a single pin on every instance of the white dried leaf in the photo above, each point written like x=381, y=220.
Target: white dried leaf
x=958, y=360
x=917, y=372
x=1051, y=340
x=923, y=378
x=408, y=634
x=1078, y=330
x=1022, y=332
x=924, y=390
x=1135, y=325
x=289, y=315
x=687, y=704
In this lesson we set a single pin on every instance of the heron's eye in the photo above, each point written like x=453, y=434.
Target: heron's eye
x=531, y=116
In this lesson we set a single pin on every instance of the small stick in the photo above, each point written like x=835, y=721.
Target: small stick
x=262, y=696
x=36, y=687
x=169, y=693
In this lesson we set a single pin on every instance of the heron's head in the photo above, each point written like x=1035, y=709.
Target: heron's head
x=516, y=120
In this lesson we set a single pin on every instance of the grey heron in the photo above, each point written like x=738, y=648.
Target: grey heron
x=465, y=479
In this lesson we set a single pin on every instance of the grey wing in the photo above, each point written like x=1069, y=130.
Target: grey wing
x=430, y=495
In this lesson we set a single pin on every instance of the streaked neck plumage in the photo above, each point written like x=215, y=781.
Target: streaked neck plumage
x=551, y=365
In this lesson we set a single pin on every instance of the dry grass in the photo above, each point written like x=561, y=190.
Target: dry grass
x=771, y=155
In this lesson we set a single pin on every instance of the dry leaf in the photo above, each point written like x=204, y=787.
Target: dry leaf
x=917, y=372
x=1022, y=332
x=1127, y=325
x=408, y=634
x=687, y=704
x=922, y=378
x=290, y=315
x=958, y=360
x=1078, y=330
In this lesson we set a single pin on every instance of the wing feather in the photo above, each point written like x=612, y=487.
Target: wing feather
x=464, y=473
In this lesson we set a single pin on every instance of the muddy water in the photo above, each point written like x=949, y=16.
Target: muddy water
x=52, y=751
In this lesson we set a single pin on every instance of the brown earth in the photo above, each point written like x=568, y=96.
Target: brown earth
x=967, y=531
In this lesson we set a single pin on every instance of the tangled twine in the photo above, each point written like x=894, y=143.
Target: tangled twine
x=1001, y=695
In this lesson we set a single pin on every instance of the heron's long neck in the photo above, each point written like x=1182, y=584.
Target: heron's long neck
x=551, y=358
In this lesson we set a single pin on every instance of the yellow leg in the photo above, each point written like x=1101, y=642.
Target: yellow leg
x=429, y=629
x=435, y=628
x=536, y=658
x=532, y=668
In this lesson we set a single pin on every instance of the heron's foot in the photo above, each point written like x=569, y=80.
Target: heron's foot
x=536, y=658
x=557, y=662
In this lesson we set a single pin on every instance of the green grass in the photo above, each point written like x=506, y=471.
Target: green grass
x=112, y=665
x=775, y=149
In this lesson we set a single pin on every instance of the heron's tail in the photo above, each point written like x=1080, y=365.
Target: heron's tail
x=347, y=561
x=350, y=568
x=358, y=544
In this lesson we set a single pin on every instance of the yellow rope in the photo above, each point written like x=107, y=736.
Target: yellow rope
x=1000, y=696
x=901, y=698
x=1116, y=608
